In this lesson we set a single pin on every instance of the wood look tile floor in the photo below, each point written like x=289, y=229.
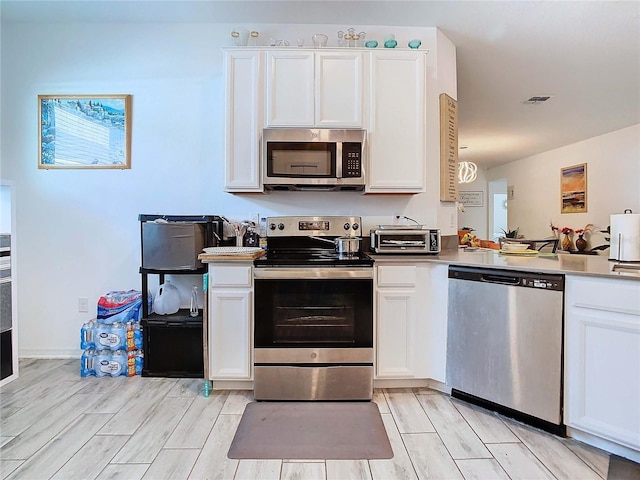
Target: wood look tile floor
x=56, y=425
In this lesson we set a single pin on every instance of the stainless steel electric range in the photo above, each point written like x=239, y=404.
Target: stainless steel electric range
x=313, y=310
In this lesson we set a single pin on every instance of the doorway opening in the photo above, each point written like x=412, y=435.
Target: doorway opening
x=498, y=220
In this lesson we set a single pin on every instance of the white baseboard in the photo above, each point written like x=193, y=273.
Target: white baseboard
x=411, y=383
x=603, y=444
x=50, y=353
x=232, y=384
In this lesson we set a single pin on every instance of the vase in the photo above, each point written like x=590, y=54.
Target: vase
x=581, y=243
x=567, y=244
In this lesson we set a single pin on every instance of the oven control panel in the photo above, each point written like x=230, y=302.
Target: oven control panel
x=332, y=226
x=322, y=225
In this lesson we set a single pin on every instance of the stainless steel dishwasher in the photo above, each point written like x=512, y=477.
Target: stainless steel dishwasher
x=504, y=342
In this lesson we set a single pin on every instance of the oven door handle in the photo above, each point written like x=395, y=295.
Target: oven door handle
x=313, y=273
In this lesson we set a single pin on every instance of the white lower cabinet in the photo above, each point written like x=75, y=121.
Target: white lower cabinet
x=602, y=358
x=411, y=321
x=230, y=321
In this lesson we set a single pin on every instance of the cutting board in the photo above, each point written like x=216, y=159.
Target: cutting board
x=206, y=257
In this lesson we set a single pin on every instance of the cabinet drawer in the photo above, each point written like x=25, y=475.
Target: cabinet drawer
x=614, y=295
x=230, y=276
x=397, y=276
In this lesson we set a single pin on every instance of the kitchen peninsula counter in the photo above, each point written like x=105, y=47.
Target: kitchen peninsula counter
x=564, y=263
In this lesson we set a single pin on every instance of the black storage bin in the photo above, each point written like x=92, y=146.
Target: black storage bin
x=173, y=346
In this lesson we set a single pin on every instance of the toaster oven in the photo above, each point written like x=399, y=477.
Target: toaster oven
x=414, y=239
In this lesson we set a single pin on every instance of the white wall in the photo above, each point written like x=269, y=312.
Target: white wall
x=613, y=181
x=77, y=230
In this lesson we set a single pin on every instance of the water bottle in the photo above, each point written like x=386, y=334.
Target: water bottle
x=139, y=362
x=87, y=335
x=193, y=309
x=87, y=366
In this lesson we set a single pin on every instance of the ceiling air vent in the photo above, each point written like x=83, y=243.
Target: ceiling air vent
x=536, y=99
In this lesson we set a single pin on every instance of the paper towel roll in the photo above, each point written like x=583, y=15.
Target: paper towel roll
x=625, y=237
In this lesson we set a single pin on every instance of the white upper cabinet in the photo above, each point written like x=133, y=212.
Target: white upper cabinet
x=243, y=114
x=290, y=89
x=397, y=127
x=382, y=91
x=339, y=89
x=314, y=89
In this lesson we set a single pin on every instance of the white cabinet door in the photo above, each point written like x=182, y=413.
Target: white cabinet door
x=230, y=334
x=243, y=128
x=230, y=320
x=602, y=358
x=314, y=89
x=434, y=291
x=339, y=89
x=395, y=333
x=290, y=89
x=396, y=133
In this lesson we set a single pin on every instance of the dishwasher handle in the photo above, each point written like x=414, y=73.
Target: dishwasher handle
x=501, y=279
x=514, y=278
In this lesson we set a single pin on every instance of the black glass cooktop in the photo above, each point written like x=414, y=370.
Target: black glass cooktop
x=312, y=258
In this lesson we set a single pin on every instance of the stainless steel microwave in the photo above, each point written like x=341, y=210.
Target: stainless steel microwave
x=321, y=159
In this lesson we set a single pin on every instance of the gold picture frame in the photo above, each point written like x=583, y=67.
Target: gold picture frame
x=84, y=131
x=573, y=189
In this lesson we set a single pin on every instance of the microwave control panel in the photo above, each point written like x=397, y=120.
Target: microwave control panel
x=351, y=159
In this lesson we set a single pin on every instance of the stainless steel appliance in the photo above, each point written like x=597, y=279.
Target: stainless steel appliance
x=173, y=242
x=405, y=239
x=313, y=159
x=504, y=342
x=313, y=310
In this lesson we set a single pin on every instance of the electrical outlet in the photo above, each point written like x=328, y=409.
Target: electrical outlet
x=398, y=219
x=83, y=304
x=255, y=218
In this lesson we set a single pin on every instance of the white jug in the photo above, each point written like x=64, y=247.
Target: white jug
x=167, y=299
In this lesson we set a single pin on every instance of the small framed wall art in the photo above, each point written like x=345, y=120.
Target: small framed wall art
x=84, y=131
x=472, y=199
x=573, y=189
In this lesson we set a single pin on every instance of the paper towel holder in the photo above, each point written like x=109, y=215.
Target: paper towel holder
x=617, y=238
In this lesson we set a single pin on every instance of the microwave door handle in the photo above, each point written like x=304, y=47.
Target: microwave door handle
x=338, y=159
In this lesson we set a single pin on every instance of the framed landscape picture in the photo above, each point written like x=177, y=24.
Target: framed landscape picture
x=573, y=189
x=84, y=131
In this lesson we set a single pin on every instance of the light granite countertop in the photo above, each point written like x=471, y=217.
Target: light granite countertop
x=591, y=265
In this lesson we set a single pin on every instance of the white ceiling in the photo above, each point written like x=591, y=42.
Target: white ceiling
x=585, y=54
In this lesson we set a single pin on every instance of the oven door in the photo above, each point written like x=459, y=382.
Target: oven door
x=313, y=308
